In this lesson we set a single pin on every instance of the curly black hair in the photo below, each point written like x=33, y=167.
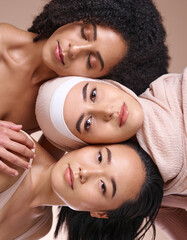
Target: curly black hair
x=138, y=21
x=130, y=221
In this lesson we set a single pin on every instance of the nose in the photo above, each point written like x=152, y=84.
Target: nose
x=75, y=49
x=105, y=112
x=86, y=174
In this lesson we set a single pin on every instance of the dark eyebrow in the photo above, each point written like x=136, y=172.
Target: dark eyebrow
x=84, y=94
x=84, y=91
x=98, y=53
x=114, y=187
x=78, y=123
x=109, y=158
x=100, y=59
x=109, y=155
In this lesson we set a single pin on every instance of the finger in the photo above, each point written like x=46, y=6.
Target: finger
x=7, y=170
x=21, y=138
x=14, y=159
x=10, y=125
x=19, y=148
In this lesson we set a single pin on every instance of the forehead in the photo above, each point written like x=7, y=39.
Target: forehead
x=127, y=165
x=114, y=47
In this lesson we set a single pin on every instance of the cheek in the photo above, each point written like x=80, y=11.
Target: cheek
x=108, y=129
x=85, y=200
x=77, y=67
x=98, y=136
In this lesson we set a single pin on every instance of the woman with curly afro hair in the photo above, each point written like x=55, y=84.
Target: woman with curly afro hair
x=138, y=22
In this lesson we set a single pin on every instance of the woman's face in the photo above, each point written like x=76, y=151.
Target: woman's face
x=97, y=112
x=83, y=50
x=98, y=178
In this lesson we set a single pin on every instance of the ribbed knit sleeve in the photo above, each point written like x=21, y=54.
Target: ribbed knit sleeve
x=173, y=221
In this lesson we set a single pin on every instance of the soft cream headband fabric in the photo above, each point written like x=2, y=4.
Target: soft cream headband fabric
x=49, y=111
x=57, y=105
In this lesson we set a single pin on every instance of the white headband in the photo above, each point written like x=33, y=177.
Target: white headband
x=57, y=105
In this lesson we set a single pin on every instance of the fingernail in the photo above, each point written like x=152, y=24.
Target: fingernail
x=29, y=166
x=15, y=174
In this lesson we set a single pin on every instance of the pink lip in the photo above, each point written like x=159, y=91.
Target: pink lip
x=123, y=115
x=68, y=175
x=58, y=53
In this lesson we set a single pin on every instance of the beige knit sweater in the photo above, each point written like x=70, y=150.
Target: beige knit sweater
x=164, y=136
x=164, y=131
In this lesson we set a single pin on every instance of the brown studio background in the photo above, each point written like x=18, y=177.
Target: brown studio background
x=21, y=13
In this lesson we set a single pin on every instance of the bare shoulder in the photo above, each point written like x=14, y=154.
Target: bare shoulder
x=7, y=31
x=5, y=27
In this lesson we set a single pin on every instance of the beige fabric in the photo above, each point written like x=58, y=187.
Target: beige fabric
x=174, y=201
x=173, y=221
x=163, y=134
x=44, y=120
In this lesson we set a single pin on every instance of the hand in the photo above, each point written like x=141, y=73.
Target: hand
x=11, y=140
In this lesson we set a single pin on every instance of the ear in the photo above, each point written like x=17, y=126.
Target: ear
x=99, y=214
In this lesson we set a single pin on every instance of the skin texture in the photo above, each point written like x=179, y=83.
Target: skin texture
x=93, y=170
x=11, y=138
x=26, y=64
x=102, y=108
x=80, y=45
x=45, y=185
x=146, y=57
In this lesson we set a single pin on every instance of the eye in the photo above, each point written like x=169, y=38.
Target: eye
x=99, y=157
x=83, y=34
x=87, y=32
x=93, y=95
x=88, y=123
x=103, y=187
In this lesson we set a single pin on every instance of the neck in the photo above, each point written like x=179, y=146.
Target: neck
x=43, y=193
x=30, y=53
x=41, y=72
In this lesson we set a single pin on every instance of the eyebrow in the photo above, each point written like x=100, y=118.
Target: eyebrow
x=109, y=158
x=109, y=155
x=100, y=59
x=114, y=187
x=84, y=91
x=98, y=53
x=79, y=121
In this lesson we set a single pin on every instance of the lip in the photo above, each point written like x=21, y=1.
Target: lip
x=123, y=115
x=68, y=175
x=58, y=53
